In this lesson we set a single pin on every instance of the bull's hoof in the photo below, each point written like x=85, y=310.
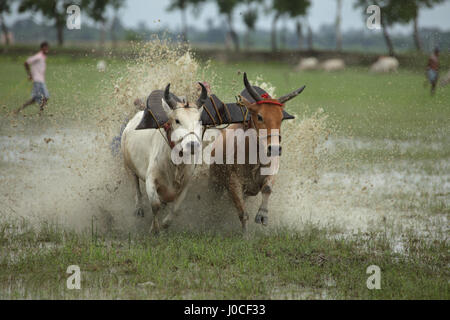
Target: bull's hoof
x=154, y=230
x=245, y=233
x=261, y=217
x=139, y=212
x=166, y=224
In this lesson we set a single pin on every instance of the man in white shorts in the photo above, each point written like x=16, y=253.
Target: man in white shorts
x=433, y=69
x=35, y=67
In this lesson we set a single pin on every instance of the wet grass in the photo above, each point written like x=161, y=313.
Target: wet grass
x=278, y=265
x=75, y=86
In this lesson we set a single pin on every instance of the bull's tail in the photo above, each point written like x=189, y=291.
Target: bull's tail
x=116, y=141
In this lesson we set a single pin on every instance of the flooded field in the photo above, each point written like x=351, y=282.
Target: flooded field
x=71, y=177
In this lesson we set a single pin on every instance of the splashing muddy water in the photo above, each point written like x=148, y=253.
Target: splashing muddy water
x=68, y=174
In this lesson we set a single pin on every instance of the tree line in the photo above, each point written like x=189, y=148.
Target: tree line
x=56, y=11
x=401, y=12
x=392, y=12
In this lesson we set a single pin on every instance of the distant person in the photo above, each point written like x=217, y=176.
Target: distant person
x=35, y=67
x=433, y=69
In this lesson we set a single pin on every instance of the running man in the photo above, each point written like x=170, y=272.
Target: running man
x=35, y=67
x=433, y=69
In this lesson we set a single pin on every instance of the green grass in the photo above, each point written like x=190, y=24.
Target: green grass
x=282, y=264
x=74, y=85
x=391, y=106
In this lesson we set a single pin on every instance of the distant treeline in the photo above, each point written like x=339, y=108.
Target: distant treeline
x=105, y=24
x=28, y=31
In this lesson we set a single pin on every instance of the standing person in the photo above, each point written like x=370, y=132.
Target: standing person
x=433, y=69
x=35, y=67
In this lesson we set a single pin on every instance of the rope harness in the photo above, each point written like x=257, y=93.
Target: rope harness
x=221, y=122
x=244, y=110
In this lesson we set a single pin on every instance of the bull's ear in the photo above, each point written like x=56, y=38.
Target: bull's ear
x=251, y=106
x=200, y=110
x=245, y=101
x=166, y=107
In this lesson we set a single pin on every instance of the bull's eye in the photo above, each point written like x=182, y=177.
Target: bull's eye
x=260, y=118
x=177, y=121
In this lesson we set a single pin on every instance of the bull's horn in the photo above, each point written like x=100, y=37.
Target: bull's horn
x=203, y=96
x=250, y=89
x=168, y=98
x=291, y=95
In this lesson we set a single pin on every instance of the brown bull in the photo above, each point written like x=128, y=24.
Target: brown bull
x=247, y=179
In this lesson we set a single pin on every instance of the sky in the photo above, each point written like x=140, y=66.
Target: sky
x=154, y=14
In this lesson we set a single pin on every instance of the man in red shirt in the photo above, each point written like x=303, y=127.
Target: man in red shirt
x=35, y=67
x=433, y=69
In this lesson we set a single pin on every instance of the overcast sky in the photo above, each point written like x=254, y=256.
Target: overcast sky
x=154, y=13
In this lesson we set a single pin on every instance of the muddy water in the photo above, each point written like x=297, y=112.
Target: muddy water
x=52, y=170
x=70, y=176
x=57, y=174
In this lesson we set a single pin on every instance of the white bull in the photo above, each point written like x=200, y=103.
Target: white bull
x=385, y=64
x=310, y=63
x=147, y=155
x=331, y=65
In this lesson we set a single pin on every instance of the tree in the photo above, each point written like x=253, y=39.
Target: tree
x=310, y=38
x=116, y=24
x=227, y=7
x=389, y=16
x=292, y=8
x=5, y=8
x=51, y=9
x=398, y=11
x=338, y=25
x=298, y=27
x=250, y=16
x=415, y=15
x=56, y=10
x=97, y=10
x=182, y=5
